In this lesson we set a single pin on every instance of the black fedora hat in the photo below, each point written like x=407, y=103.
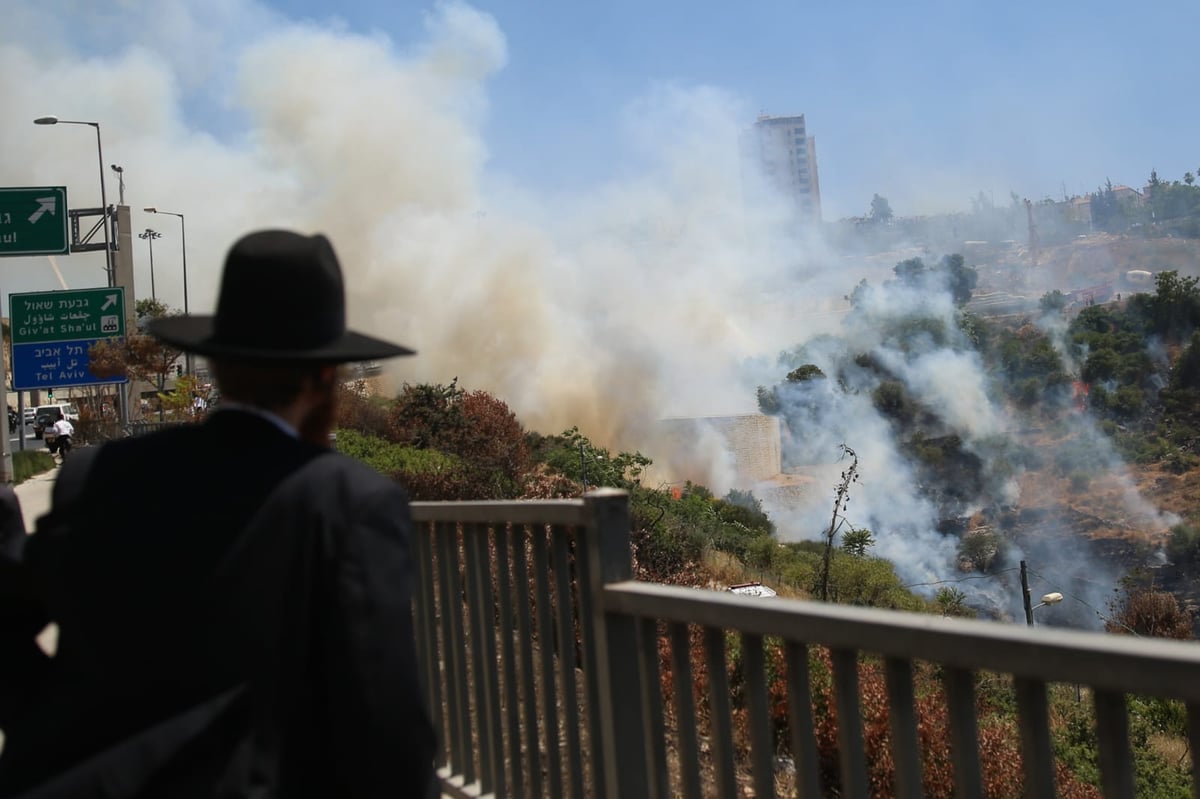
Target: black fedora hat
x=281, y=299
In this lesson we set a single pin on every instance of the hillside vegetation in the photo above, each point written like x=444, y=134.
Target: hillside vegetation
x=445, y=442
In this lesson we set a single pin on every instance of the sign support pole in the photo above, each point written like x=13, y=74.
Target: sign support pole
x=7, y=474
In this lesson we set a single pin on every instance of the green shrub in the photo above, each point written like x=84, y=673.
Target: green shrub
x=664, y=545
x=1128, y=402
x=982, y=549
x=1028, y=392
x=1183, y=547
x=359, y=410
x=857, y=542
x=952, y=602
x=809, y=371
x=1166, y=716
x=760, y=552
x=871, y=582
x=892, y=401
x=30, y=462
x=1180, y=462
x=391, y=459
x=801, y=569
x=1052, y=301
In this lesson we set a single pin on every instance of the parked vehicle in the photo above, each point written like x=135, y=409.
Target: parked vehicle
x=44, y=416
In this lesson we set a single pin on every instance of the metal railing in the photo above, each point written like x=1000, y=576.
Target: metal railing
x=527, y=614
x=506, y=633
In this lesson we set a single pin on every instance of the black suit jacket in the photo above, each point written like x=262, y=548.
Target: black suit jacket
x=206, y=556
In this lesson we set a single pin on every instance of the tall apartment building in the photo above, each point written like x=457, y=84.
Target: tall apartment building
x=786, y=157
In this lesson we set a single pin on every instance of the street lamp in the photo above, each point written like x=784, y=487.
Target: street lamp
x=120, y=170
x=150, y=236
x=53, y=120
x=1049, y=599
x=183, y=239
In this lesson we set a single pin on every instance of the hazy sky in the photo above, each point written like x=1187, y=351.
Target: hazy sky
x=926, y=102
x=517, y=189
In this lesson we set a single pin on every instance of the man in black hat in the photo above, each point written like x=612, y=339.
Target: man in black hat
x=234, y=582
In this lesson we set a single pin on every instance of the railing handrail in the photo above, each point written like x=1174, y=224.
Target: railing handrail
x=516, y=597
x=1151, y=666
x=533, y=511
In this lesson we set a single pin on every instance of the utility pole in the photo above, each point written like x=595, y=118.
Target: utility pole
x=583, y=466
x=1025, y=595
x=150, y=236
x=8, y=475
x=1034, y=241
x=120, y=170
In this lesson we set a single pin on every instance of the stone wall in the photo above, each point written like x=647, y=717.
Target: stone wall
x=751, y=441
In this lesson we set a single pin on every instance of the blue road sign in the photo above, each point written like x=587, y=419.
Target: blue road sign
x=55, y=364
x=52, y=331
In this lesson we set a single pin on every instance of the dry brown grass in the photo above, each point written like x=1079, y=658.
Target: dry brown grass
x=1172, y=748
x=724, y=570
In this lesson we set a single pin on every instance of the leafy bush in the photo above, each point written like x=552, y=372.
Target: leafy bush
x=388, y=458
x=1180, y=462
x=1052, y=301
x=1174, y=308
x=892, y=401
x=474, y=426
x=1101, y=364
x=1183, y=546
x=871, y=582
x=358, y=410
x=857, y=542
x=952, y=602
x=1186, y=373
x=573, y=455
x=808, y=371
x=30, y=462
x=665, y=548
x=1076, y=745
x=983, y=549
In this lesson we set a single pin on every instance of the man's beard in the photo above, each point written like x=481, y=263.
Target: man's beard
x=317, y=425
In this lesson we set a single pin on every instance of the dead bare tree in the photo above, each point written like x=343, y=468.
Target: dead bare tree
x=841, y=501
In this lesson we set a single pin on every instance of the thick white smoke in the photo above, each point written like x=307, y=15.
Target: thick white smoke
x=661, y=292
x=638, y=299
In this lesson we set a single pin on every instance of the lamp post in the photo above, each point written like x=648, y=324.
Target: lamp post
x=1052, y=598
x=183, y=239
x=150, y=235
x=108, y=264
x=120, y=170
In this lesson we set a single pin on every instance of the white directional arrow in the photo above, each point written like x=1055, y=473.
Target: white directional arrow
x=47, y=204
x=109, y=301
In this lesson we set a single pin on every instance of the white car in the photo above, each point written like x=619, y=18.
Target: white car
x=44, y=416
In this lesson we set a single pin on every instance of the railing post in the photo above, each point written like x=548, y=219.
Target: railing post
x=626, y=768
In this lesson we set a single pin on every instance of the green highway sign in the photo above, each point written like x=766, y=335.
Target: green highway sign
x=40, y=316
x=33, y=221
x=53, y=331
